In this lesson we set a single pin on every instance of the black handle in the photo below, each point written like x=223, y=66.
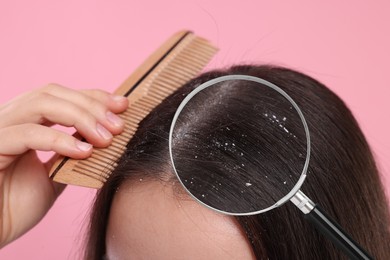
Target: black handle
x=334, y=232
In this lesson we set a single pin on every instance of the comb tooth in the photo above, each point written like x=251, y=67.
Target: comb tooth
x=178, y=69
x=124, y=136
x=195, y=60
x=147, y=103
x=197, y=53
x=194, y=65
x=130, y=114
x=153, y=98
x=127, y=112
x=128, y=123
x=125, y=139
x=145, y=106
x=203, y=44
x=130, y=126
x=98, y=169
x=94, y=162
x=171, y=66
x=205, y=54
x=93, y=169
x=208, y=51
x=178, y=80
x=162, y=84
x=106, y=153
x=126, y=131
x=132, y=121
x=103, y=165
x=161, y=91
x=154, y=95
x=186, y=71
x=169, y=83
x=135, y=107
x=120, y=141
x=116, y=144
x=90, y=174
x=175, y=81
x=136, y=110
x=112, y=150
x=115, y=149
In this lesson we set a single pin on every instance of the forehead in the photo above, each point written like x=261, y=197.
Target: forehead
x=148, y=221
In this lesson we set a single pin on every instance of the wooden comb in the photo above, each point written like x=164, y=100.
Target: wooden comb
x=177, y=61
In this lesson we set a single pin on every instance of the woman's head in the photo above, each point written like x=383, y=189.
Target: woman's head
x=143, y=194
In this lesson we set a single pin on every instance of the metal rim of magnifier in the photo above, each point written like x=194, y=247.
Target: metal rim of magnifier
x=214, y=81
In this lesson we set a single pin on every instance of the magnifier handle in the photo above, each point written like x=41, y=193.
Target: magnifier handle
x=334, y=232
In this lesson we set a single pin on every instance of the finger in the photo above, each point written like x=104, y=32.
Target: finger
x=95, y=130
x=89, y=98
x=116, y=104
x=18, y=139
x=59, y=111
x=98, y=102
x=26, y=108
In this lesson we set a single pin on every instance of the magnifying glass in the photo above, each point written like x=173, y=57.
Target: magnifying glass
x=247, y=164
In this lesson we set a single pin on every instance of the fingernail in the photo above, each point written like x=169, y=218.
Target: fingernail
x=103, y=132
x=114, y=119
x=118, y=98
x=82, y=146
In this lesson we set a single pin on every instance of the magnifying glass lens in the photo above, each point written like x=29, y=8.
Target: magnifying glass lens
x=239, y=145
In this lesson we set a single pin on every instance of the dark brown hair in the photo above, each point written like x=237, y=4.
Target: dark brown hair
x=342, y=174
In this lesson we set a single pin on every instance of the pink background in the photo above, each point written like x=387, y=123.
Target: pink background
x=97, y=44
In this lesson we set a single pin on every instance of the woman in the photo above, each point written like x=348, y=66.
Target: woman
x=129, y=221
x=142, y=212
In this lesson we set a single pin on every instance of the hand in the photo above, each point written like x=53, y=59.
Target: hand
x=26, y=192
